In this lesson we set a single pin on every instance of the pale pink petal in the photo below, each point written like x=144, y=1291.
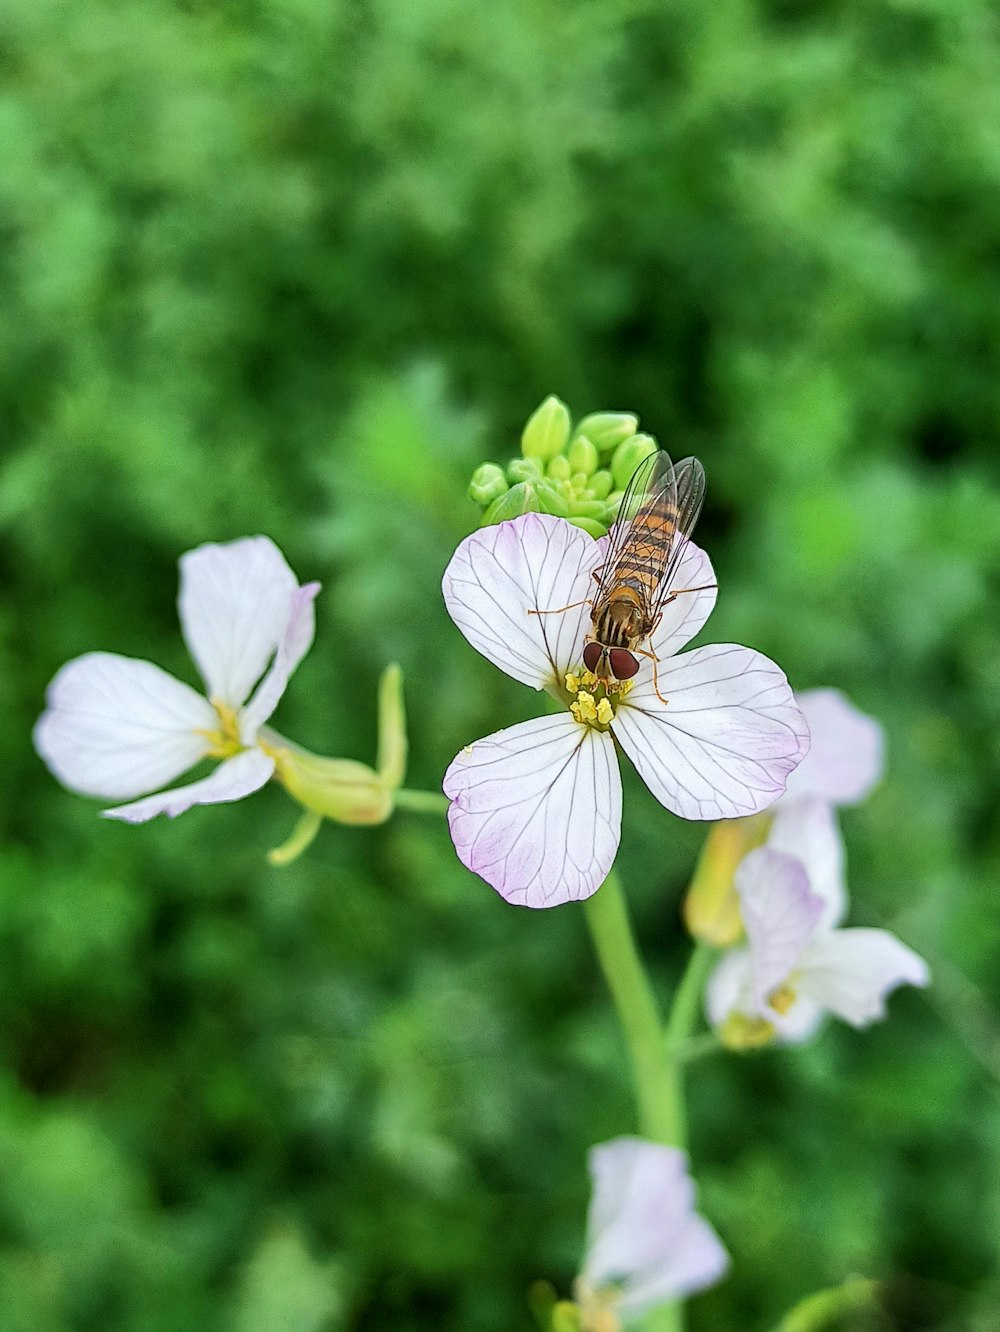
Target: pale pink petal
x=642, y=1231
x=687, y=611
x=117, y=727
x=807, y=829
x=846, y=758
x=237, y=777
x=728, y=989
x=295, y=643
x=851, y=972
x=234, y=608
x=726, y=739
x=536, y=809
x=780, y=916
x=500, y=573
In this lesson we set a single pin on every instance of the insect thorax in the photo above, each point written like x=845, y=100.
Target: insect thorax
x=619, y=621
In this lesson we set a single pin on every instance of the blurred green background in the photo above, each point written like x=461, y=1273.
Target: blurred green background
x=295, y=267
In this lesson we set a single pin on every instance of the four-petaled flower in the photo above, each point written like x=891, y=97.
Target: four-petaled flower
x=536, y=808
x=118, y=728
x=646, y=1245
x=796, y=965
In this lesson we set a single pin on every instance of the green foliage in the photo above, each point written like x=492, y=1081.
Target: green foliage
x=298, y=267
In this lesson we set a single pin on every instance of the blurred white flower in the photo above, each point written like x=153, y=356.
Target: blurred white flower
x=118, y=728
x=796, y=967
x=536, y=808
x=646, y=1245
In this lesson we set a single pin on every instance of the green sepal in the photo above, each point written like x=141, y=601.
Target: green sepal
x=522, y=498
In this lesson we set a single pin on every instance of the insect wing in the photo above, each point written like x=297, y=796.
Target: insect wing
x=689, y=478
x=651, y=489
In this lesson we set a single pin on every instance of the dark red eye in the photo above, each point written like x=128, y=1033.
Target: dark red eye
x=623, y=664
x=592, y=656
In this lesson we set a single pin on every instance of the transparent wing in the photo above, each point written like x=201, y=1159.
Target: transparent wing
x=652, y=487
x=689, y=478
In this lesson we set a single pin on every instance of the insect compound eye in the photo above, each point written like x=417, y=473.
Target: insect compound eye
x=592, y=656
x=623, y=664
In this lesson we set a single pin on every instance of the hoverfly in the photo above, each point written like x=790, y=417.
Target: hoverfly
x=657, y=515
x=658, y=512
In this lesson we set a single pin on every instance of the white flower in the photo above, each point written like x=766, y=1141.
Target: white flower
x=795, y=966
x=536, y=808
x=646, y=1245
x=118, y=728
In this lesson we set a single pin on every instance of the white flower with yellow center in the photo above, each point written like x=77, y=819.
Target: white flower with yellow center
x=796, y=966
x=118, y=728
x=536, y=808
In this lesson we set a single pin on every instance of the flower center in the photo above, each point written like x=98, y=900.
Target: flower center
x=782, y=998
x=225, y=741
x=594, y=704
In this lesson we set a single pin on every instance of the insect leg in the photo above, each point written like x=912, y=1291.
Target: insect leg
x=705, y=587
x=640, y=652
x=559, y=609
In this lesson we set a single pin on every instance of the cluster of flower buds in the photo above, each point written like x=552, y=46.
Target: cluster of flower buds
x=574, y=472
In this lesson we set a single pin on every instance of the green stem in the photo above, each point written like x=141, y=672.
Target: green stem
x=683, y=1019
x=302, y=835
x=657, y=1089
x=421, y=802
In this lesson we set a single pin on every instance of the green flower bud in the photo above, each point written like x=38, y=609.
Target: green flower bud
x=600, y=484
x=596, y=509
x=590, y=525
x=488, y=483
x=559, y=469
x=547, y=430
x=551, y=500
x=582, y=456
x=628, y=456
x=524, y=469
x=521, y=498
x=608, y=429
x=578, y=484
x=392, y=742
x=567, y=1317
x=614, y=501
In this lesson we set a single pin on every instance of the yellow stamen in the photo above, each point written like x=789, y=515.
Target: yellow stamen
x=604, y=712
x=782, y=999
x=584, y=709
x=572, y=682
x=225, y=741
x=740, y=1032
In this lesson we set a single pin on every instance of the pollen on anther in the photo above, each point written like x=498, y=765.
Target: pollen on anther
x=605, y=712
x=572, y=682
x=584, y=709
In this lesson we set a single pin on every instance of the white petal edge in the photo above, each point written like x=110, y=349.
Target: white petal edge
x=117, y=727
x=851, y=972
x=808, y=830
x=847, y=755
x=685, y=615
x=234, y=608
x=500, y=573
x=728, y=988
x=239, y=776
x=725, y=741
x=696, y=1260
x=780, y=916
x=536, y=810
x=295, y=643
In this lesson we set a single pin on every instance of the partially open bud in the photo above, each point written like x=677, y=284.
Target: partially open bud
x=547, y=430
x=521, y=498
x=628, y=456
x=712, y=908
x=488, y=483
x=606, y=430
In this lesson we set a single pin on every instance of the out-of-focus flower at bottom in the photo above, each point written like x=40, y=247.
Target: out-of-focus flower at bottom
x=646, y=1244
x=796, y=967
